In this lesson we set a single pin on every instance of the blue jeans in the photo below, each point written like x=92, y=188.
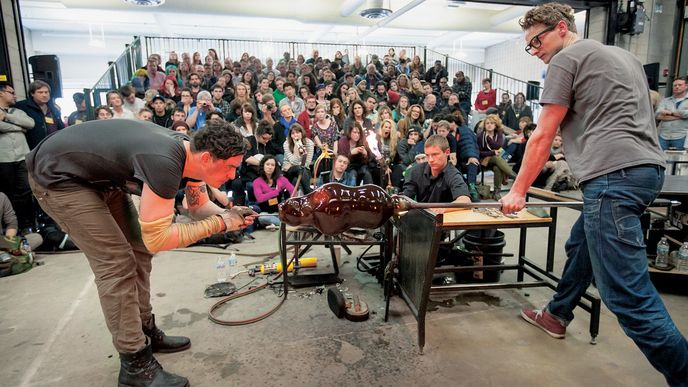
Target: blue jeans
x=666, y=144
x=607, y=243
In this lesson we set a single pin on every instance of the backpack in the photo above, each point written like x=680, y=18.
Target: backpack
x=14, y=259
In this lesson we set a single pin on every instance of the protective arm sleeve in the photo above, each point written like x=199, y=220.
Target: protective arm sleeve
x=162, y=234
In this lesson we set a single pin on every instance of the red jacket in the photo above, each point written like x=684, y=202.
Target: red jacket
x=486, y=100
x=305, y=120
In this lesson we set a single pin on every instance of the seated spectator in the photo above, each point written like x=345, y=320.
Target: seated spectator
x=358, y=115
x=556, y=170
x=296, y=104
x=408, y=147
x=145, y=114
x=435, y=73
x=194, y=84
x=463, y=87
x=353, y=146
x=520, y=110
x=186, y=101
x=401, y=110
x=9, y=225
x=383, y=113
x=178, y=114
x=247, y=123
x=214, y=116
x=339, y=173
x=170, y=89
x=389, y=138
x=282, y=126
x=116, y=104
x=130, y=101
x=504, y=109
x=467, y=154
x=161, y=115
x=103, y=112
x=487, y=97
x=298, y=155
x=242, y=95
x=490, y=142
x=415, y=117
x=325, y=130
x=268, y=109
x=79, y=115
x=443, y=130
x=197, y=114
x=270, y=189
x=337, y=112
x=180, y=126
x=371, y=108
x=307, y=117
x=515, y=142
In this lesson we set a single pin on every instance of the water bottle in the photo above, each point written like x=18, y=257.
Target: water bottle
x=221, y=269
x=27, y=248
x=682, y=258
x=662, y=260
x=232, y=265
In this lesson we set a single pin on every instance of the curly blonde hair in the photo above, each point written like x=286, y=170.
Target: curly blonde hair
x=549, y=14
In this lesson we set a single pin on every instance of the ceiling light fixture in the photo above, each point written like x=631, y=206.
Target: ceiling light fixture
x=375, y=9
x=146, y=3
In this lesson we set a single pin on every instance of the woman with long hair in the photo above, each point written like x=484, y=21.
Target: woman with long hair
x=184, y=71
x=249, y=80
x=383, y=113
x=403, y=83
x=415, y=93
x=414, y=117
x=490, y=142
x=417, y=65
x=270, y=189
x=389, y=138
x=351, y=96
x=247, y=123
x=217, y=69
x=358, y=115
x=196, y=59
x=401, y=110
x=213, y=54
x=170, y=89
x=337, y=113
x=173, y=59
x=353, y=146
x=296, y=147
x=325, y=130
x=309, y=81
x=114, y=101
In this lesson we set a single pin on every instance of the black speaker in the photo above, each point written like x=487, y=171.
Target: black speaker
x=47, y=69
x=652, y=74
x=533, y=90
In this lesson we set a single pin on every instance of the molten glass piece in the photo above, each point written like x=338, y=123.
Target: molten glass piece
x=335, y=208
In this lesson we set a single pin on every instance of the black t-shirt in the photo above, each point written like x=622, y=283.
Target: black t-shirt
x=107, y=155
x=444, y=188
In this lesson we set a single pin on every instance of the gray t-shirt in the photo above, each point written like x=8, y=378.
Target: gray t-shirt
x=610, y=123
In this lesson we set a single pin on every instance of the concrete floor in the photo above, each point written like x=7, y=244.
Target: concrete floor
x=52, y=332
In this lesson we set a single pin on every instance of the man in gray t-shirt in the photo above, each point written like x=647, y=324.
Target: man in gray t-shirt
x=598, y=97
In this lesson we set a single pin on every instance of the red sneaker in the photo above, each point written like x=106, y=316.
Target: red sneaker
x=545, y=321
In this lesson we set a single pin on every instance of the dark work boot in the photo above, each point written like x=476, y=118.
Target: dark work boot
x=140, y=369
x=163, y=343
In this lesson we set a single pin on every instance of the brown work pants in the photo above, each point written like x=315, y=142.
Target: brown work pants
x=104, y=225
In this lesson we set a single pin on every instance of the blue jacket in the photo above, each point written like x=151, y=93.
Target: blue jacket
x=39, y=131
x=468, y=144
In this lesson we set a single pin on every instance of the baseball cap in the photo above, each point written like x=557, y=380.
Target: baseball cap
x=158, y=96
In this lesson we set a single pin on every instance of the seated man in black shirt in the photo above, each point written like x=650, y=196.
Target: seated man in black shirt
x=82, y=178
x=436, y=181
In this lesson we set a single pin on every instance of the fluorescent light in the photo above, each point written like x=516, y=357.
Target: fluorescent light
x=43, y=4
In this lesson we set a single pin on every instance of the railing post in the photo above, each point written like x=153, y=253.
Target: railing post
x=89, y=105
x=425, y=57
x=113, y=74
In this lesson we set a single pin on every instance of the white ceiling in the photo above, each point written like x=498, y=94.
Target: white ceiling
x=432, y=23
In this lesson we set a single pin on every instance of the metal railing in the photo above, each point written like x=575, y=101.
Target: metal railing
x=500, y=82
x=117, y=74
x=263, y=49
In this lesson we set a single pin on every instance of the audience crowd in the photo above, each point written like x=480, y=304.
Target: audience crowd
x=309, y=120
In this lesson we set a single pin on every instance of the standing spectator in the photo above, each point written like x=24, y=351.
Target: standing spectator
x=672, y=114
x=79, y=115
x=154, y=78
x=463, y=87
x=487, y=97
x=42, y=109
x=14, y=179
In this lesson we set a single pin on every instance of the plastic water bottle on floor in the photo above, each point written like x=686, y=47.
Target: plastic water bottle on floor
x=682, y=258
x=232, y=265
x=221, y=270
x=662, y=260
